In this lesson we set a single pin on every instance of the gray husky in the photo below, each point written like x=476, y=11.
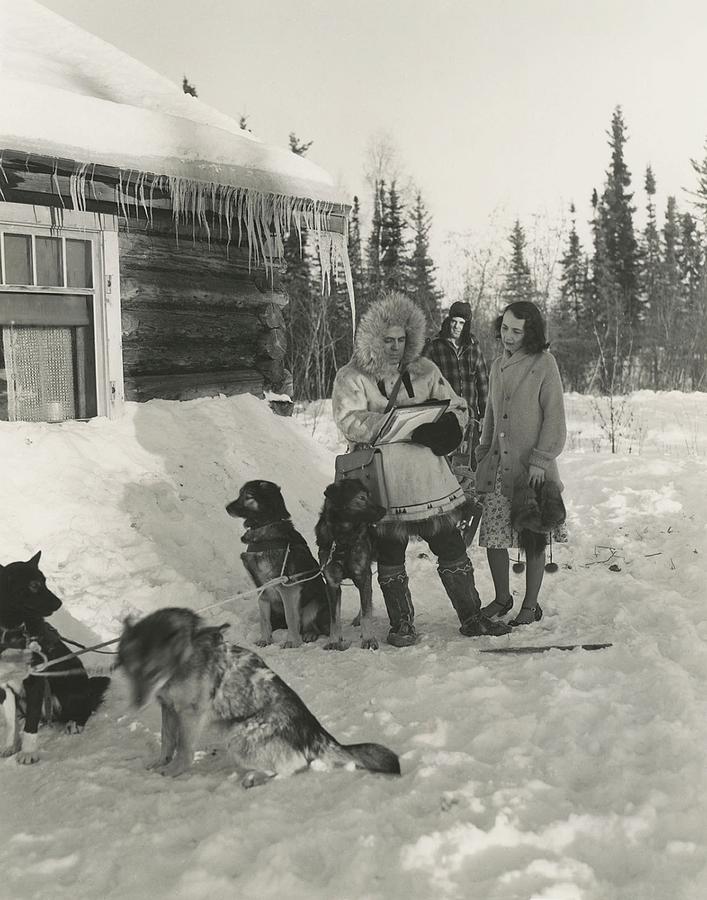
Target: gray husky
x=196, y=677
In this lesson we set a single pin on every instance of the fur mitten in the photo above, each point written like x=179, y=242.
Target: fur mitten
x=441, y=436
x=552, y=508
x=535, y=512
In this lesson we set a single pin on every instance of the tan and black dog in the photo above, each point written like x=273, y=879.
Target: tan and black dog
x=272, y=540
x=346, y=551
x=25, y=603
x=173, y=656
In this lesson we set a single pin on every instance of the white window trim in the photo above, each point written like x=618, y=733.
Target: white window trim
x=107, y=324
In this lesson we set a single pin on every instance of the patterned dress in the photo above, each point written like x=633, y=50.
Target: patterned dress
x=496, y=531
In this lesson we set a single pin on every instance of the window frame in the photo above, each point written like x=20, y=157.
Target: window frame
x=102, y=231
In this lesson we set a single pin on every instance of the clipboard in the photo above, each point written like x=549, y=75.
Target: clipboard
x=403, y=420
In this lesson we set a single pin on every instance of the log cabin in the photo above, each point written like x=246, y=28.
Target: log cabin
x=141, y=232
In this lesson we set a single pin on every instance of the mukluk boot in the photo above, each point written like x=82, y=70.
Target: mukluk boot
x=457, y=577
x=393, y=583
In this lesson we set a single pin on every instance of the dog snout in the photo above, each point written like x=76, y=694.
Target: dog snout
x=235, y=510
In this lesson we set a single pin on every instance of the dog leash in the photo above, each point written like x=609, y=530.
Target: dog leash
x=274, y=582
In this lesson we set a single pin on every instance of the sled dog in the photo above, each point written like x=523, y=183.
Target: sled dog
x=171, y=655
x=25, y=603
x=346, y=550
x=272, y=540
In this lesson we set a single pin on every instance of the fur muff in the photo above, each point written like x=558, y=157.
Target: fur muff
x=392, y=310
x=535, y=512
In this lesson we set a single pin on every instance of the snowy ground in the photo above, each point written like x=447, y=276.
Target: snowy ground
x=561, y=776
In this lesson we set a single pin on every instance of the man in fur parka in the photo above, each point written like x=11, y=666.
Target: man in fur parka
x=424, y=497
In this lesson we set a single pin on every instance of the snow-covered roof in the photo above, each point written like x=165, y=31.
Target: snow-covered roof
x=67, y=94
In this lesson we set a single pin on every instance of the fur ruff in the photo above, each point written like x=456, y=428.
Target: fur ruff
x=421, y=530
x=393, y=309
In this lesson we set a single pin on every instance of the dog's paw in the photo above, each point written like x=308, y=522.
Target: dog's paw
x=73, y=728
x=175, y=768
x=255, y=777
x=338, y=645
x=369, y=643
x=8, y=751
x=27, y=757
x=158, y=763
x=310, y=636
x=289, y=645
x=261, y=642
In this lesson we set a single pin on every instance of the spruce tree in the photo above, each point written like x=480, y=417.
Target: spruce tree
x=616, y=213
x=355, y=249
x=603, y=303
x=571, y=342
x=393, y=243
x=303, y=306
x=650, y=250
x=518, y=283
x=373, y=245
x=421, y=268
x=188, y=88
x=651, y=281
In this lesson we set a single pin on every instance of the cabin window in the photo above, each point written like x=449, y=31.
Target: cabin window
x=48, y=327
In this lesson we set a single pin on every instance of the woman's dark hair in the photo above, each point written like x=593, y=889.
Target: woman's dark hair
x=534, y=339
x=446, y=330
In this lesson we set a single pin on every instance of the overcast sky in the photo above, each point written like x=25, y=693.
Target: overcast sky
x=494, y=104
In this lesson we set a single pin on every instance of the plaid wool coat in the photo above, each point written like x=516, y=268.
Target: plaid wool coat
x=466, y=372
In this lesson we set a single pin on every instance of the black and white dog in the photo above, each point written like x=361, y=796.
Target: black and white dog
x=25, y=603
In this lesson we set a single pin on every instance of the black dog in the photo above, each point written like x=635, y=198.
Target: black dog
x=346, y=551
x=272, y=540
x=25, y=602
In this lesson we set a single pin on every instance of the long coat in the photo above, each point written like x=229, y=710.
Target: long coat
x=420, y=485
x=524, y=423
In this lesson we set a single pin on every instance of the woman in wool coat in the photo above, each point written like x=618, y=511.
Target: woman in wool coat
x=524, y=432
x=425, y=500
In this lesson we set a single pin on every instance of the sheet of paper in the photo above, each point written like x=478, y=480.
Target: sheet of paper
x=403, y=420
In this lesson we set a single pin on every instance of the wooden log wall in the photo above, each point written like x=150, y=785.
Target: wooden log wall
x=197, y=319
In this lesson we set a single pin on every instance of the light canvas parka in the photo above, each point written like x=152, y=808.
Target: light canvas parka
x=420, y=485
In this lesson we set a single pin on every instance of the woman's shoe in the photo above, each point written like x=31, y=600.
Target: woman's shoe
x=532, y=614
x=497, y=608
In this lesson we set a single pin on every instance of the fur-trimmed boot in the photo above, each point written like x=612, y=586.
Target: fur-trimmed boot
x=393, y=583
x=457, y=576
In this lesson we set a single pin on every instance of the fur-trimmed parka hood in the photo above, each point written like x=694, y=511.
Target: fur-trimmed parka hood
x=393, y=309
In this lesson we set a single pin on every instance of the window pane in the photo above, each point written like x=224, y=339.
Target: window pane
x=49, y=267
x=48, y=372
x=18, y=259
x=78, y=264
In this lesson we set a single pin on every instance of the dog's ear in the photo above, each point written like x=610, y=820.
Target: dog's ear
x=224, y=627
x=35, y=559
x=128, y=622
x=331, y=489
x=275, y=499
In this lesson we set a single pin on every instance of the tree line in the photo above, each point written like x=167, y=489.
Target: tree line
x=629, y=310
x=394, y=254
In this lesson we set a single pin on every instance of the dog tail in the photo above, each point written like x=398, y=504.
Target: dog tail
x=374, y=757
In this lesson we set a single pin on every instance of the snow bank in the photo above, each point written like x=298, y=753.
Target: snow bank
x=554, y=776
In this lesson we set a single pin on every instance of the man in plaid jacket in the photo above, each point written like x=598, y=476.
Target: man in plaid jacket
x=458, y=355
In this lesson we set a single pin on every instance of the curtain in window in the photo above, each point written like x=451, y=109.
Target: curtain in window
x=40, y=373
